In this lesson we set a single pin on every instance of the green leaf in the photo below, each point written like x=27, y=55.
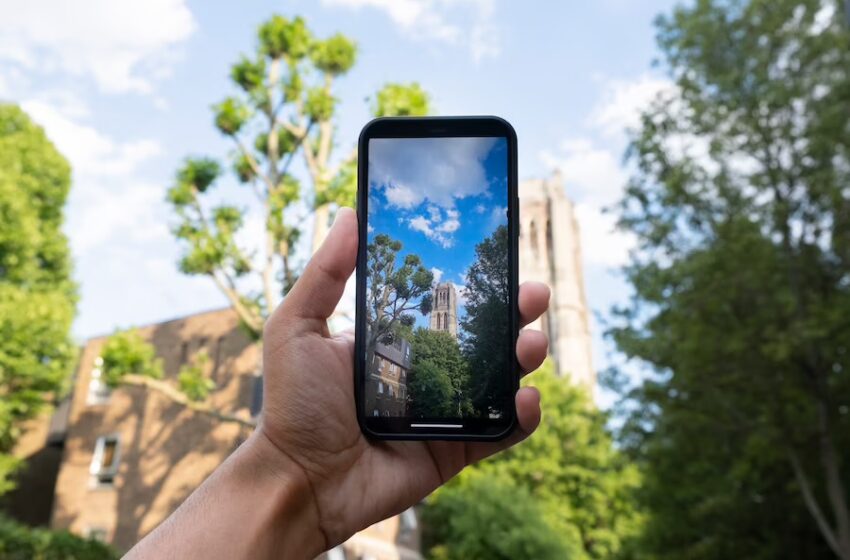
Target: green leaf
x=401, y=100
x=127, y=352
x=335, y=55
x=231, y=115
x=319, y=105
x=280, y=37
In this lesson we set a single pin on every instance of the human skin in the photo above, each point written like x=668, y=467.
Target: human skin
x=307, y=479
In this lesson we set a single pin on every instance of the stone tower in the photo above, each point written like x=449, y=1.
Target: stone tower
x=444, y=309
x=550, y=252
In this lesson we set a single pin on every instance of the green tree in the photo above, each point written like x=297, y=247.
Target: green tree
x=438, y=379
x=392, y=293
x=583, y=486
x=37, y=295
x=284, y=109
x=485, y=326
x=485, y=517
x=740, y=208
x=18, y=542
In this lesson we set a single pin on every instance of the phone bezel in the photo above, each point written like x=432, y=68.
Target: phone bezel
x=395, y=428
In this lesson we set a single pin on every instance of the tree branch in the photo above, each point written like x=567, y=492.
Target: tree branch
x=251, y=320
x=166, y=389
x=812, y=503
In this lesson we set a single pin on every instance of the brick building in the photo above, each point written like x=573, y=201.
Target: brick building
x=386, y=388
x=114, y=464
x=126, y=458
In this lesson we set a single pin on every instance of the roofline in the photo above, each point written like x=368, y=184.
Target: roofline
x=89, y=339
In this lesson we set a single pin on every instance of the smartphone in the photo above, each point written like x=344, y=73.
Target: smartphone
x=436, y=313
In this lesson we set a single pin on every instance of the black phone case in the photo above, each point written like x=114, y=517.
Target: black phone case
x=418, y=127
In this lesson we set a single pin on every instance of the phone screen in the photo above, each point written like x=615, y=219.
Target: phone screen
x=438, y=339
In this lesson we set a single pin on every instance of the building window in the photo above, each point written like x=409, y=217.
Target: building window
x=408, y=520
x=336, y=553
x=96, y=534
x=380, y=388
x=534, y=241
x=104, y=464
x=375, y=412
x=99, y=391
x=257, y=396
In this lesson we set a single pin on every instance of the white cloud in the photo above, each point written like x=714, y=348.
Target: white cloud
x=122, y=46
x=438, y=274
x=436, y=227
x=402, y=196
x=108, y=200
x=480, y=209
x=592, y=174
x=463, y=23
x=436, y=169
x=592, y=167
x=622, y=101
x=421, y=223
x=601, y=243
x=451, y=223
x=90, y=152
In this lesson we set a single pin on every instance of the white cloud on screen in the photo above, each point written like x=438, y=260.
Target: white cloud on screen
x=438, y=274
x=122, y=46
x=436, y=226
x=435, y=169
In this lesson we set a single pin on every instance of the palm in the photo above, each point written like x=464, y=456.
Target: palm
x=309, y=407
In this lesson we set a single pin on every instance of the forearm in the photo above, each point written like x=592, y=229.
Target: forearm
x=257, y=504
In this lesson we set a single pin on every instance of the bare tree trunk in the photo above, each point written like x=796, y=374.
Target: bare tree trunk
x=320, y=226
x=834, y=485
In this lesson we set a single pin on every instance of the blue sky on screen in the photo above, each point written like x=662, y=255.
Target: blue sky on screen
x=124, y=90
x=439, y=197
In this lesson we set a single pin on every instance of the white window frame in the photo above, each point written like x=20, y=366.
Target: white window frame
x=98, y=392
x=380, y=387
x=92, y=532
x=101, y=475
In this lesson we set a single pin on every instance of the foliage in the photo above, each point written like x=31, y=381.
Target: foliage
x=438, y=378
x=487, y=306
x=126, y=352
x=18, y=542
x=583, y=486
x=484, y=517
x=399, y=100
x=740, y=208
x=37, y=295
x=283, y=108
x=192, y=380
x=393, y=293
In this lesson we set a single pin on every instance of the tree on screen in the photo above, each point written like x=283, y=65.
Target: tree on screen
x=393, y=291
x=438, y=381
x=486, y=326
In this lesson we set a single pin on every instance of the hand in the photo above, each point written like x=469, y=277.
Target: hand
x=309, y=421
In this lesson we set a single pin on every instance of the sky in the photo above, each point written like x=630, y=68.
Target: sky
x=124, y=91
x=439, y=197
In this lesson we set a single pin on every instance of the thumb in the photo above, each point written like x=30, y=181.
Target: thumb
x=317, y=292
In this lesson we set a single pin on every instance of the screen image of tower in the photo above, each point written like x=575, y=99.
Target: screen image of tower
x=437, y=338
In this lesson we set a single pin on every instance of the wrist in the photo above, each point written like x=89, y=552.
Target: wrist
x=290, y=513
